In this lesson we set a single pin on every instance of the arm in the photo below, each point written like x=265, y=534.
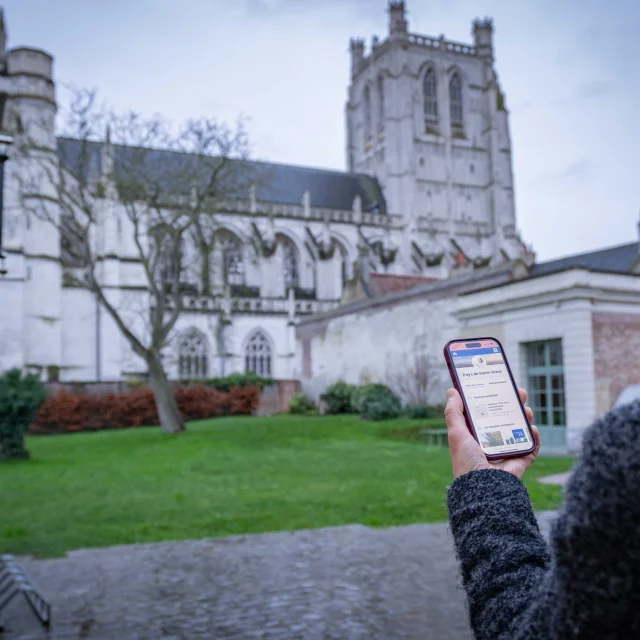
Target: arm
x=502, y=555
x=589, y=587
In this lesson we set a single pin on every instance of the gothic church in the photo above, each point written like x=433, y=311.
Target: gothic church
x=428, y=195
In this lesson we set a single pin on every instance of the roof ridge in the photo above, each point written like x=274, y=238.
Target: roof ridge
x=571, y=256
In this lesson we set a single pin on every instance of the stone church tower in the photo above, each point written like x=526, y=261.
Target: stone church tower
x=427, y=118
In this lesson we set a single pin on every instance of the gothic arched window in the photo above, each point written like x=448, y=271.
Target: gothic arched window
x=258, y=355
x=430, y=97
x=289, y=263
x=367, y=113
x=192, y=355
x=233, y=263
x=232, y=258
x=380, y=103
x=170, y=260
x=455, y=99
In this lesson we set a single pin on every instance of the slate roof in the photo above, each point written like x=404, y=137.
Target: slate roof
x=619, y=259
x=274, y=182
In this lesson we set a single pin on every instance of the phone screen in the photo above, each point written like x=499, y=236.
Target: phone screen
x=490, y=396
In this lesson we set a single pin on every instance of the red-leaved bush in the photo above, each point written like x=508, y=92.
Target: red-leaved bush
x=66, y=412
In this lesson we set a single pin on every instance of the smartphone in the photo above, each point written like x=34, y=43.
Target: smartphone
x=492, y=408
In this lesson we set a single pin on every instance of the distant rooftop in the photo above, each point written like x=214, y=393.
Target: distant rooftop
x=281, y=183
x=619, y=259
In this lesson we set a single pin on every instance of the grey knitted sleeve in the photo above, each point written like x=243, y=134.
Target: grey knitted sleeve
x=502, y=554
x=588, y=586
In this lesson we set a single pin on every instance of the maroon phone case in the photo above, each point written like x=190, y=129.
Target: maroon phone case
x=456, y=384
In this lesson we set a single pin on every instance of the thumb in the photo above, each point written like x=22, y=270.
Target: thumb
x=453, y=412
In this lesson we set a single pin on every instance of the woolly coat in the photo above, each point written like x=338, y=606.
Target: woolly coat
x=586, y=582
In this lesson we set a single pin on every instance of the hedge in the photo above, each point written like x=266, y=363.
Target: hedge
x=66, y=412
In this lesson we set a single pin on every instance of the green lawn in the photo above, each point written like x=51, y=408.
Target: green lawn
x=226, y=476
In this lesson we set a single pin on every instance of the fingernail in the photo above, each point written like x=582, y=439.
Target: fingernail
x=450, y=393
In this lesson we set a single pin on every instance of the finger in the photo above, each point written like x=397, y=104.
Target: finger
x=536, y=439
x=523, y=395
x=529, y=412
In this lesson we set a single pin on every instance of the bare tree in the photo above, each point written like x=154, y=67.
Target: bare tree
x=165, y=185
x=413, y=378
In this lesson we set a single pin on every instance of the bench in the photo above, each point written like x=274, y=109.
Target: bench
x=13, y=580
x=434, y=437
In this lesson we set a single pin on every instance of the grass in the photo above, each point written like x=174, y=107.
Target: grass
x=226, y=476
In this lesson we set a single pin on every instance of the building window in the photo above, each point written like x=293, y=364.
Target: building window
x=367, y=113
x=545, y=375
x=258, y=355
x=289, y=263
x=170, y=261
x=380, y=103
x=430, y=97
x=455, y=98
x=233, y=263
x=192, y=355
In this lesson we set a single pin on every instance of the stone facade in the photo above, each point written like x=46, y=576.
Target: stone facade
x=595, y=315
x=417, y=201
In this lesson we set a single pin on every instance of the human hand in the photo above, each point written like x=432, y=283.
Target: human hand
x=467, y=455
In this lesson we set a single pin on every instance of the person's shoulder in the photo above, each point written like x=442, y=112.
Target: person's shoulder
x=615, y=437
x=608, y=469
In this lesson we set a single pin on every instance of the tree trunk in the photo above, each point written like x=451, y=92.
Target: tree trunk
x=170, y=418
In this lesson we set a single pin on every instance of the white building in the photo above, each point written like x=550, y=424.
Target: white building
x=429, y=192
x=570, y=328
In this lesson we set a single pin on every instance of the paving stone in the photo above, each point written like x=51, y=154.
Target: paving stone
x=343, y=583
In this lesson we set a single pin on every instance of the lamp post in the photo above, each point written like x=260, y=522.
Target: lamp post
x=5, y=143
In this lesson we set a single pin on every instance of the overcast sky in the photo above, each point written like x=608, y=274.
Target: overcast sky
x=570, y=71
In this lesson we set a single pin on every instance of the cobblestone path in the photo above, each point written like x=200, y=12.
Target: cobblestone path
x=347, y=582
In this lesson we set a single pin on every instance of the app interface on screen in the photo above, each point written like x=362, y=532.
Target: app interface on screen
x=491, y=398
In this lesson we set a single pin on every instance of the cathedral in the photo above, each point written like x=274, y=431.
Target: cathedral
x=428, y=192
x=359, y=275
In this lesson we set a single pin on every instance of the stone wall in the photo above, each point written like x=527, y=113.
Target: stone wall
x=377, y=345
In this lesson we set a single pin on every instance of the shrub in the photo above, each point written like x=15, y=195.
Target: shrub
x=338, y=397
x=66, y=412
x=376, y=402
x=249, y=379
x=299, y=403
x=423, y=412
x=20, y=399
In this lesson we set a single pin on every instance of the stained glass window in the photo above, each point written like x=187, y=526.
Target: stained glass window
x=455, y=98
x=430, y=97
x=192, y=355
x=258, y=355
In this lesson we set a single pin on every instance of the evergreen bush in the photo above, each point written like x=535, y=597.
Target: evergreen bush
x=20, y=399
x=249, y=379
x=338, y=397
x=423, y=412
x=376, y=402
x=299, y=403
